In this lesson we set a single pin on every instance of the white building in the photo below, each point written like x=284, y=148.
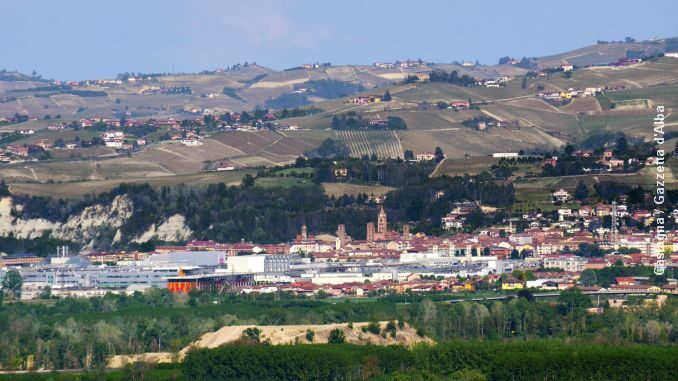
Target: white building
x=569, y=263
x=191, y=142
x=561, y=195
x=114, y=143
x=257, y=264
x=505, y=154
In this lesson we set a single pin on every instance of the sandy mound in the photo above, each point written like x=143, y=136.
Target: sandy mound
x=279, y=335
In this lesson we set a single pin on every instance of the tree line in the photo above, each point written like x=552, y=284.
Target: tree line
x=75, y=333
x=475, y=360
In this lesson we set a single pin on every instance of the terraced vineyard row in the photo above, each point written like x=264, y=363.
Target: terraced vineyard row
x=597, y=123
x=655, y=92
x=384, y=144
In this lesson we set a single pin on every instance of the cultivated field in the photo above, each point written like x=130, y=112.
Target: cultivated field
x=341, y=189
x=537, y=125
x=462, y=166
x=82, y=188
x=383, y=144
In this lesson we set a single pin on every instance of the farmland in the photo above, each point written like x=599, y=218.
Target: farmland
x=535, y=193
x=341, y=189
x=591, y=124
x=383, y=144
x=655, y=92
x=462, y=166
x=81, y=188
x=536, y=126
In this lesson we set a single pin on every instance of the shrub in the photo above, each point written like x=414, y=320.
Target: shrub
x=310, y=335
x=336, y=336
x=373, y=328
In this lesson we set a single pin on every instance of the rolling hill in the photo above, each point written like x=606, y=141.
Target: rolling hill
x=530, y=122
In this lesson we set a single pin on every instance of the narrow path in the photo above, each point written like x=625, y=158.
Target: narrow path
x=435, y=170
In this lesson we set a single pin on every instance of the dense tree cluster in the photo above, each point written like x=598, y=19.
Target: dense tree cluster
x=75, y=333
x=456, y=360
x=354, y=121
x=329, y=149
x=453, y=78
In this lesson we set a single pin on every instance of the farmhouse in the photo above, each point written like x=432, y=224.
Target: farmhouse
x=111, y=135
x=552, y=161
x=592, y=91
x=582, y=154
x=115, y=143
x=421, y=77
x=561, y=195
x=17, y=149
x=491, y=84
x=460, y=105
x=168, y=123
x=225, y=166
x=365, y=99
x=378, y=123
x=425, y=156
x=505, y=155
x=191, y=142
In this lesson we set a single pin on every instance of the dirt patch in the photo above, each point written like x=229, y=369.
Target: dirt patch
x=587, y=105
x=280, y=335
x=533, y=103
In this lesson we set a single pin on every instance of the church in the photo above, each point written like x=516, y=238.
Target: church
x=382, y=233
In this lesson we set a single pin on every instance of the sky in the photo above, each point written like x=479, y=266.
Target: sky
x=83, y=39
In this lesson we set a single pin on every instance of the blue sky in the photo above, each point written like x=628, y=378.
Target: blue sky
x=78, y=39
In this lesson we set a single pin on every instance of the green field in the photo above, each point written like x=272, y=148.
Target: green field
x=460, y=167
x=285, y=182
x=592, y=124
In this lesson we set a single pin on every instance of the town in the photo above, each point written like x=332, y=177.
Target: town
x=341, y=191
x=550, y=254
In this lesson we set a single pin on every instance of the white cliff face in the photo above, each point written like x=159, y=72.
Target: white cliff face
x=83, y=227
x=32, y=228
x=172, y=230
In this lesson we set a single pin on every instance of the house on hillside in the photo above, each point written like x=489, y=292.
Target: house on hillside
x=561, y=195
x=425, y=156
x=460, y=105
x=115, y=143
x=552, y=162
x=191, y=142
x=17, y=149
x=512, y=284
